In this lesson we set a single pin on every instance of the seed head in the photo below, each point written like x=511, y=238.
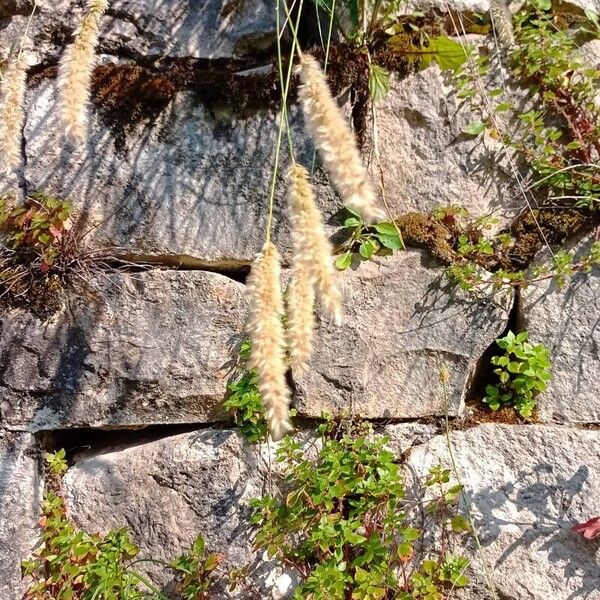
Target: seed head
x=265, y=329
x=335, y=141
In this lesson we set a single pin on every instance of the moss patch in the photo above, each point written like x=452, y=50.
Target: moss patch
x=533, y=229
x=37, y=293
x=422, y=231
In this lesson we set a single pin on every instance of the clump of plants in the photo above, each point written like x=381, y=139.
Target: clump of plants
x=37, y=248
x=391, y=39
x=71, y=564
x=557, y=137
x=360, y=242
x=343, y=521
x=244, y=402
x=523, y=371
x=37, y=228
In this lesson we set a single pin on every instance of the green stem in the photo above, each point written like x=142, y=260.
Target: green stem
x=283, y=115
x=159, y=595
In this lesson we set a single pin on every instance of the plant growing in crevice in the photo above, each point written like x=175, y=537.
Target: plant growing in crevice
x=38, y=251
x=556, y=137
x=359, y=241
x=39, y=228
x=523, y=371
x=388, y=40
x=343, y=521
x=71, y=564
x=196, y=569
x=244, y=402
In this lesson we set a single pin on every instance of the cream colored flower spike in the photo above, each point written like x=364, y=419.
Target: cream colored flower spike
x=311, y=245
x=75, y=71
x=265, y=330
x=334, y=139
x=12, y=114
x=300, y=317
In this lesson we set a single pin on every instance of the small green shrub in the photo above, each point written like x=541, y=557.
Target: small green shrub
x=523, y=372
x=244, y=401
x=197, y=568
x=71, y=564
x=343, y=522
x=362, y=242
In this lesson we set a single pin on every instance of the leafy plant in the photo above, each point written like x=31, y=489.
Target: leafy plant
x=39, y=225
x=562, y=265
x=244, y=401
x=362, y=242
x=197, y=568
x=56, y=462
x=71, y=564
x=523, y=372
x=377, y=25
x=342, y=521
x=559, y=137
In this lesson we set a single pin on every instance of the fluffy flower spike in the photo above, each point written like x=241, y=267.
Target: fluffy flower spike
x=311, y=244
x=75, y=71
x=266, y=334
x=12, y=114
x=334, y=139
x=300, y=317
x=312, y=270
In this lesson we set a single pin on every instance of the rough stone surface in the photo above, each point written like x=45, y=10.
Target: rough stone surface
x=209, y=29
x=194, y=186
x=427, y=159
x=567, y=322
x=591, y=50
x=403, y=436
x=169, y=491
x=191, y=188
x=153, y=347
x=403, y=323
x=527, y=486
x=20, y=495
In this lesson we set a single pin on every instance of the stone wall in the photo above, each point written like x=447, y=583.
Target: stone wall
x=130, y=373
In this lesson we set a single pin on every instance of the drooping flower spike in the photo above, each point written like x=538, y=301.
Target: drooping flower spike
x=335, y=141
x=265, y=330
x=75, y=71
x=12, y=113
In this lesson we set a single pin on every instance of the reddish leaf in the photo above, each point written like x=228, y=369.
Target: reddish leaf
x=44, y=267
x=56, y=232
x=589, y=530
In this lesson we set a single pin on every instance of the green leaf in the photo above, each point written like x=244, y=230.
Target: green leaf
x=459, y=524
x=386, y=228
x=393, y=242
x=379, y=83
x=446, y=52
x=503, y=107
x=474, y=128
x=352, y=222
x=344, y=261
x=514, y=367
x=366, y=250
